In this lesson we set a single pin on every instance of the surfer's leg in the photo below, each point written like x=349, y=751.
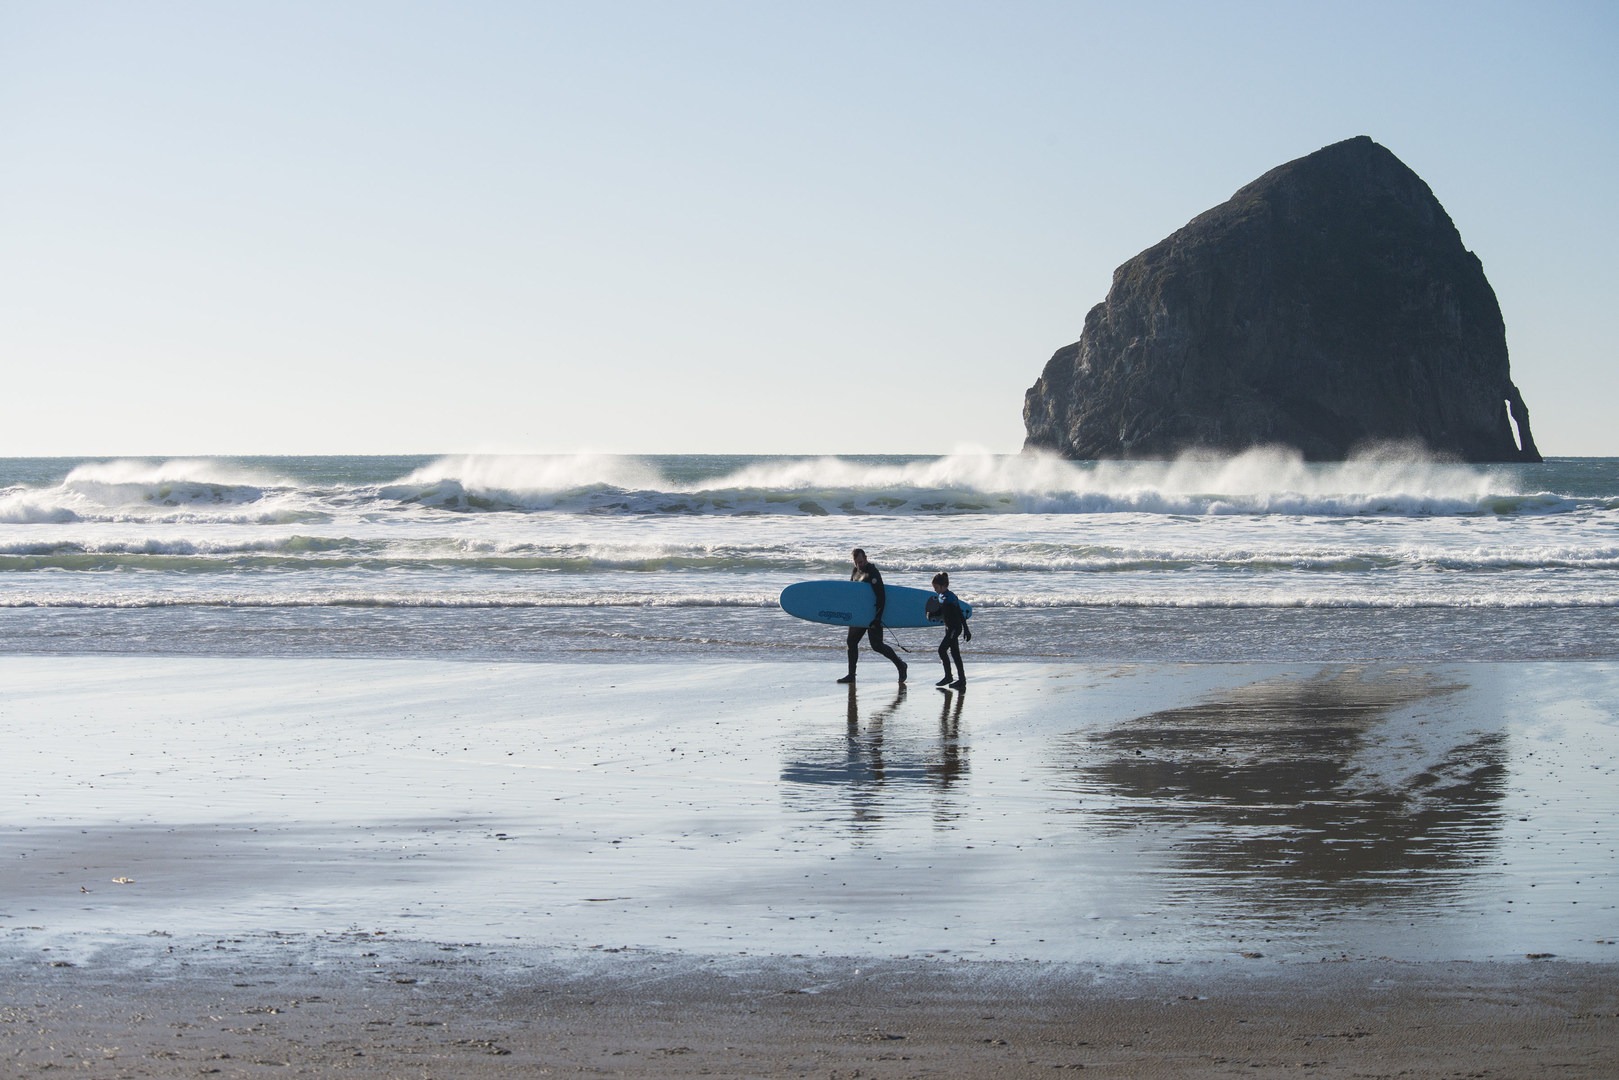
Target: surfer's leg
x=877, y=645
x=950, y=646
x=855, y=634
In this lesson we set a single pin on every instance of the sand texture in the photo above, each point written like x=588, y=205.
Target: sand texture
x=262, y=1009
x=398, y=868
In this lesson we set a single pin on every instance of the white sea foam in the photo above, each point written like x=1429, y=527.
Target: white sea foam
x=1186, y=546
x=1260, y=482
x=1075, y=602
x=1264, y=473
x=34, y=508
x=534, y=474
x=180, y=490
x=1041, y=546
x=1263, y=481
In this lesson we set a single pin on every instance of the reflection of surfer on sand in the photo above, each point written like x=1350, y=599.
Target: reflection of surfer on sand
x=952, y=760
x=866, y=571
x=874, y=722
x=886, y=763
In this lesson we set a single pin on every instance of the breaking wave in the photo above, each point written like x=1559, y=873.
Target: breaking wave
x=1263, y=482
x=178, y=491
x=803, y=558
x=1260, y=482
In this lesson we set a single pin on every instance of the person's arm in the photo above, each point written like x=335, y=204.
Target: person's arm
x=881, y=596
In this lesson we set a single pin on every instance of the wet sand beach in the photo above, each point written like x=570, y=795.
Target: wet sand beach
x=744, y=869
x=377, y=1008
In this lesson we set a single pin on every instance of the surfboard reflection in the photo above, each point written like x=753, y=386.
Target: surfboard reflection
x=1292, y=790
x=891, y=762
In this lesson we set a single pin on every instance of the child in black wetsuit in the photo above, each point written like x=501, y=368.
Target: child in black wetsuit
x=947, y=609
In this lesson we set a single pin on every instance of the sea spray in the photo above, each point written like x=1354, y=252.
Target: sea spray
x=1261, y=481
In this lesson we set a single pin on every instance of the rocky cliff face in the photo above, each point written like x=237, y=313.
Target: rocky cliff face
x=1328, y=305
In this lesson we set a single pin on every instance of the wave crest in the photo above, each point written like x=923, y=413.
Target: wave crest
x=1258, y=482
x=1380, y=480
x=178, y=490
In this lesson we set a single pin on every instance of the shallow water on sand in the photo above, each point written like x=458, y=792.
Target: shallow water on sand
x=1119, y=813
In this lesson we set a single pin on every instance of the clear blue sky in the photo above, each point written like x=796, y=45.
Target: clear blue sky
x=706, y=226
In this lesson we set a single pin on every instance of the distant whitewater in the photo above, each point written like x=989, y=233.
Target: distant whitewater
x=270, y=490
x=1259, y=556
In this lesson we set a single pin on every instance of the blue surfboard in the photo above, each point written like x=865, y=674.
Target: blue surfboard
x=852, y=603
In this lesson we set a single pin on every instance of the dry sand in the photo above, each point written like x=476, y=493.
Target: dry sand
x=388, y=868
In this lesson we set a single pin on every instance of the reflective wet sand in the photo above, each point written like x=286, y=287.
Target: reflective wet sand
x=1130, y=814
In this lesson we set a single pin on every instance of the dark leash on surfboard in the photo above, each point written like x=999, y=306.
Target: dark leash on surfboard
x=890, y=631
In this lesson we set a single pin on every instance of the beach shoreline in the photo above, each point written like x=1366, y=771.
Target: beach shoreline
x=450, y=868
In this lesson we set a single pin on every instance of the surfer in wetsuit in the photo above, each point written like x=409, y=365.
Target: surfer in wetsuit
x=948, y=611
x=867, y=571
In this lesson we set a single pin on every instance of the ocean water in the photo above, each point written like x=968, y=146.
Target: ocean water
x=1257, y=557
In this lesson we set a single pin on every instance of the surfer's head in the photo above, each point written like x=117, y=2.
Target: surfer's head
x=859, y=556
x=941, y=581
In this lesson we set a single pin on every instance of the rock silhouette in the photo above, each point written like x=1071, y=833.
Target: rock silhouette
x=1327, y=306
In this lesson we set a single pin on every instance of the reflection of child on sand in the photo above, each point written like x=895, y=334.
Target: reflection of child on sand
x=946, y=608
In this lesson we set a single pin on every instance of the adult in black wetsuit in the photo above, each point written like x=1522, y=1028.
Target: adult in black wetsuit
x=865, y=570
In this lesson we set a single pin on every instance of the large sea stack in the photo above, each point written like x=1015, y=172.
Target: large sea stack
x=1329, y=305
